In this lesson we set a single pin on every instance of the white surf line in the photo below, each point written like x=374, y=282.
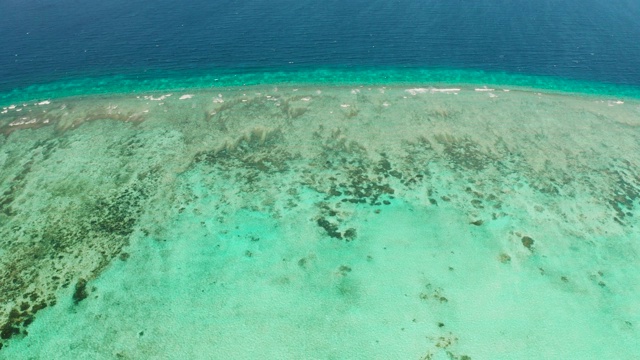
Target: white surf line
x=484, y=89
x=185, y=97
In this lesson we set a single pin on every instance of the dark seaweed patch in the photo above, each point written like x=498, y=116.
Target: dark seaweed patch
x=80, y=292
x=465, y=154
x=350, y=234
x=625, y=194
x=527, y=242
x=329, y=227
x=100, y=227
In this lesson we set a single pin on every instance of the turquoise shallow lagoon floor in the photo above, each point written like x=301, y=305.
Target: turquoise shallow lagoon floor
x=321, y=223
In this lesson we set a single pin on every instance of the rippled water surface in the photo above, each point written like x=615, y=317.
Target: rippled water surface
x=46, y=40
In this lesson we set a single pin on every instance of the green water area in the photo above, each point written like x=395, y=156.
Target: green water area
x=321, y=222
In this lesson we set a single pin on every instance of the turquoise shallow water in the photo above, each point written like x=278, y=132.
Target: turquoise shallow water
x=167, y=81
x=287, y=221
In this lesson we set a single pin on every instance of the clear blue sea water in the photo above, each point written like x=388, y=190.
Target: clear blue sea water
x=66, y=41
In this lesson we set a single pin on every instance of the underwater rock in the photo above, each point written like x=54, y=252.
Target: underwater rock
x=81, y=291
x=527, y=242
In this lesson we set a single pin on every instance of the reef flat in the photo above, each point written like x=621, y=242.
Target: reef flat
x=320, y=222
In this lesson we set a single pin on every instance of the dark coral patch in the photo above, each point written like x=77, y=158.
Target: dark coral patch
x=527, y=242
x=329, y=227
x=80, y=292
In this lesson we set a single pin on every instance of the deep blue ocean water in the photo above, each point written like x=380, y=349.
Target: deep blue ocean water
x=44, y=41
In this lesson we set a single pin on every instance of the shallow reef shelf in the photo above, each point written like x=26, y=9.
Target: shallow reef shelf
x=316, y=222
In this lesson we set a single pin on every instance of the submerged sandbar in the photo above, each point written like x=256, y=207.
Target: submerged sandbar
x=318, y=221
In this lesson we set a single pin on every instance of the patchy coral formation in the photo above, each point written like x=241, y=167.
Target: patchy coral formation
x=403, y=214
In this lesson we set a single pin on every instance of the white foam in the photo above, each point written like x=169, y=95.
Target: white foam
x=345, y=105
x=355, y=91
x=416, y=91
x=185, y=97
x=46, y=102
x=218, y=100
x=23, y=121
x=159, y=98
x=306, y=99
x=452, y=90
x=484, y=89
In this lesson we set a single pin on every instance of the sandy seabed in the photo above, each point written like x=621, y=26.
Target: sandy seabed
x=321, y=223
